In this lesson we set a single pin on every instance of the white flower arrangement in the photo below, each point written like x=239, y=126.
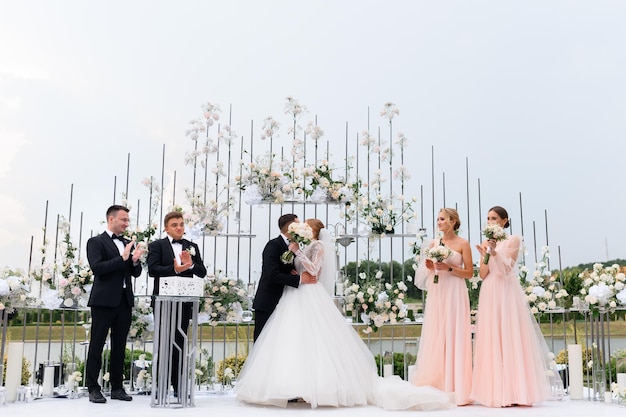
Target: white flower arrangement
x=375, y=302
x=492, y=231
x=543, y=290
x=142, y=321
x=14, y=289
x=263, y=181
x=382, y=215
x=67, y=281
x=207, y=217
x=322, y=187
x=438, y=253
x=224, y=300
x=302, y=234
x=600, y=288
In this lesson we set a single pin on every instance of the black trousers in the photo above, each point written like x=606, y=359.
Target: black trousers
x=117, y=321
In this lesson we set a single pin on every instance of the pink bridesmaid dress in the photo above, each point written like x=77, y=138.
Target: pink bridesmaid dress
x=444, y=357
x=511, y=358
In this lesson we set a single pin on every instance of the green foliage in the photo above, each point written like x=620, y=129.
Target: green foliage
x=235, y=363
x=25, y=371
x=400, y=272
x=128, y=360
x=204, y=367
x=398, y=363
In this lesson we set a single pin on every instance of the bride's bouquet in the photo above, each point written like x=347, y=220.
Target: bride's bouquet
x=495, y=232
x=438, y=254
x=301, y=233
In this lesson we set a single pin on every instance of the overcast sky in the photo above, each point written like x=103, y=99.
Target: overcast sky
x=529, y=96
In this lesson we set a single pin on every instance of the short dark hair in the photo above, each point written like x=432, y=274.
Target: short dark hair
x=285, y=220
x=172, y=215
x=112, y=211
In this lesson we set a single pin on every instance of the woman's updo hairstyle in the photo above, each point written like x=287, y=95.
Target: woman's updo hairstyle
x=454, y=216
x=501, y=211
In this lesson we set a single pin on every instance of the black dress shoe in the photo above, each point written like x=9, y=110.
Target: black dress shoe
x=120, y=394
x=97, y=397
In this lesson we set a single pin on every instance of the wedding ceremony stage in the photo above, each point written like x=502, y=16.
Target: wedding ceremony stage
x=379, y=218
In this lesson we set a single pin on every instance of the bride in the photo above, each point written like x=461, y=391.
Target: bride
x=307, y=350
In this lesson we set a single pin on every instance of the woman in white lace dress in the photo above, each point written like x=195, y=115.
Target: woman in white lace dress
x=308, y=351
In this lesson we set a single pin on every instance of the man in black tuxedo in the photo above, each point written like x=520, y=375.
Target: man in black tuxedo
x=275, y=275
x=172, y=256
x=113, y=260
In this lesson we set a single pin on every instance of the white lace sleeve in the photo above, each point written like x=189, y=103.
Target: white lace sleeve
x=312, y=257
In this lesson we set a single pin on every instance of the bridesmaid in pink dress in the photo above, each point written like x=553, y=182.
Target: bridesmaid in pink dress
x=511, y=359
x=444, y=358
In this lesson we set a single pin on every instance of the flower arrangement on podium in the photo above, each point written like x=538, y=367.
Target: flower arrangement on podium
x=224, y=300
x=602, y=289
x=301, y=233
x=382, y=215
x=14, y=289
x=142, y=321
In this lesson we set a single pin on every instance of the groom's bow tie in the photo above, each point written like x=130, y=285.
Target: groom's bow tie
x=177, y=241
x=114, y=236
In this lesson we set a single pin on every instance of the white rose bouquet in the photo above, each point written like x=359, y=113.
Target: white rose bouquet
x=438, y=253
x=301, y=233
x=492, y=232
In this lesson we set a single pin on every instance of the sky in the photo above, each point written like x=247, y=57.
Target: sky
x=513, y=103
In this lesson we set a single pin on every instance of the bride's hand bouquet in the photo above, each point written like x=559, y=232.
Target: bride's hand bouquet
x=301, y=233
x=438, y=253
x=495, y=232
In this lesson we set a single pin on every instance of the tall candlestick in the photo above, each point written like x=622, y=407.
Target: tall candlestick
x=387, y=370
x=339, y=289
x=411, y=370
x=575, y=362
x=14, y=370
x=48, y=381
x=621, y=381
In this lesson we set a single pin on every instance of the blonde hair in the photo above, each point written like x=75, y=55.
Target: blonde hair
x=452, y=215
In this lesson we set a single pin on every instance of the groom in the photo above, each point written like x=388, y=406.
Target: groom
x=275, y=275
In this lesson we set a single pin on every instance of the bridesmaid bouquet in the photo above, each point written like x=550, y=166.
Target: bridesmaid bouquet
x=301, y=233
x=438, y=254
x=493, y=232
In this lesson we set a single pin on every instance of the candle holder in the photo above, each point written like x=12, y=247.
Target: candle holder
x=387, y=364
x=246, y=316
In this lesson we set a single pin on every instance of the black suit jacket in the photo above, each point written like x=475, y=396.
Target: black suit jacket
x=274, y=276
x=161, y=261
x=110, y=272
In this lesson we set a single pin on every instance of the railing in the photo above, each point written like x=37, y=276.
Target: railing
x=60, y=338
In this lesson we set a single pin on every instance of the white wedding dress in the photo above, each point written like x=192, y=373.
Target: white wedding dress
x=307, y=350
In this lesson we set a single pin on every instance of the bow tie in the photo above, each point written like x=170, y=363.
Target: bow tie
x=177, y=241
x=114, y=236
